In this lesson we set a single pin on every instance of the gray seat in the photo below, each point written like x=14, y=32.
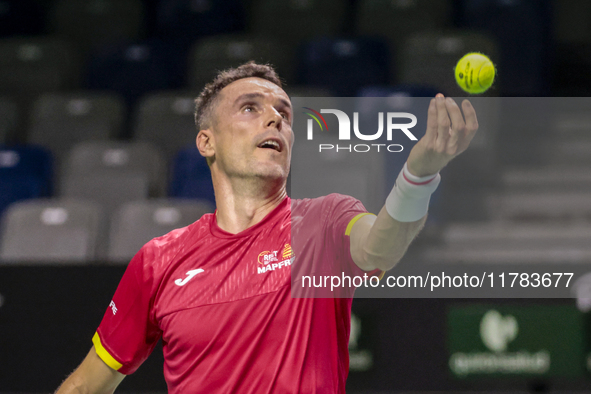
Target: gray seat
x=306, y=91
x=396, y=20
x=112, y=173
x=429, y=58
x=210, y=55
x=167, y=120
x=506, y=242
x=90, y=24
x=50, y=231
x=301, y=20
x=60, y=120
x=29, y=66
x=137, y=222
x=8, y=119
x=533, y=205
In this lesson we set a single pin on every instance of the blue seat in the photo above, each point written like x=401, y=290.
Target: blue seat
x=136, y=69
x=191, y=177
x=522, y=29
x=25, y=172
x=187, y=20
x=20, y=18
x=345, y=65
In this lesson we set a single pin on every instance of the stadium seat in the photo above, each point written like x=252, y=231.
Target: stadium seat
x=135, y=223
x=112, y=173
x=395, y=20
x=191, y=177
x=522, y=29
x=8, y=119
x=134, y=70
x=300, y=20
x=29, y=66
x=28, y=160
x=25, y=172
x=20, y=18
x=429, y=58
x=91, y=24
x=212, y=54
x=50, y=231
x=167, y=120
x=571, y=22
x=345, y=65
x=510, y=243
x=58, y=121
x=306, y=91
x=187, y=20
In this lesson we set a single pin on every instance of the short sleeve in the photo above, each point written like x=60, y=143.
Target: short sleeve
x=343, y=212
x=127, y=334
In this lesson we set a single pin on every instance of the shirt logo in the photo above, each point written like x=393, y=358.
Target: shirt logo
x=270, y=260
x=113, y=307
x=267, y=257
x=190, y=275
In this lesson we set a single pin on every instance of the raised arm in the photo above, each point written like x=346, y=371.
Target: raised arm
x=92, y=376
x=380, y=242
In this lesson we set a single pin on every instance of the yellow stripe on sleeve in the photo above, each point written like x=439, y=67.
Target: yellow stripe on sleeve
x=353, y=221
x=103, y=354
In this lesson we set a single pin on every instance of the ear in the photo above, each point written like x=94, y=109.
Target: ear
x=205, y=143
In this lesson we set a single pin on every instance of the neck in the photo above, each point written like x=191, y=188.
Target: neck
x=243, y=202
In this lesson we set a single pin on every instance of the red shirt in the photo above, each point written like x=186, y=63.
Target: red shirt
x=222, y=304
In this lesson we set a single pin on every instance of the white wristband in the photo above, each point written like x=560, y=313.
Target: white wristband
x=409, y=199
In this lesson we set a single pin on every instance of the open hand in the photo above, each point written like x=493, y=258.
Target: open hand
x=448, y=134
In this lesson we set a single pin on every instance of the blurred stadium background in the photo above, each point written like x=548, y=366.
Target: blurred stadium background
x=97, y=157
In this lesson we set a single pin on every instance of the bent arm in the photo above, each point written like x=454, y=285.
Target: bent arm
x=380, y=242
x=92, y=376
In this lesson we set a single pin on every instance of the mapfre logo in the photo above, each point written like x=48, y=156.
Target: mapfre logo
x=269, y=260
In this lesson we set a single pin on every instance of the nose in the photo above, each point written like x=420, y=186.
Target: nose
x=275, y=119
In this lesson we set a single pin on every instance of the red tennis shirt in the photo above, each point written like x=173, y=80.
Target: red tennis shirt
x=222, y=304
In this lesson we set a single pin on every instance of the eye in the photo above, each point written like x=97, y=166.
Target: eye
x=248, y=108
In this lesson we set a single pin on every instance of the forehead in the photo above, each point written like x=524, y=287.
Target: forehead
x=251, y=85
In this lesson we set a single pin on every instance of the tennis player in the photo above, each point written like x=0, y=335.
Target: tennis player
x=218, y=292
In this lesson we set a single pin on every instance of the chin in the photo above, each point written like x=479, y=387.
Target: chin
x=270, y=171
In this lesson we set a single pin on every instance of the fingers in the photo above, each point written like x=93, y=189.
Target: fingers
x=447, y=128
x=443, y=123
x=470, y=115
x=457, y=123
x=431, y=132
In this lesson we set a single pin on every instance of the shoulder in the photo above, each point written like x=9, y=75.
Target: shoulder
x=157, y=254
x=331, y=202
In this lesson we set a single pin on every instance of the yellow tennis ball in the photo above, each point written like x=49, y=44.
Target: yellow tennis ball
x=475, y=73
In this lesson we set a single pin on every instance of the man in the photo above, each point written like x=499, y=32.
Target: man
x=225, y=326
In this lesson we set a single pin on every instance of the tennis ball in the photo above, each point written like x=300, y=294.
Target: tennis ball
x=475, y=73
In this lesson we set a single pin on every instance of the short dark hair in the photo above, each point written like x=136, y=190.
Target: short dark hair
x=207, y=97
